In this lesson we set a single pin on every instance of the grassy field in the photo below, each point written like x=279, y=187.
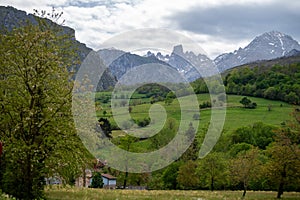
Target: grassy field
x=102, y=194
x=236, y=115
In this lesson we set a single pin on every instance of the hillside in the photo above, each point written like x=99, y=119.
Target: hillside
x=236, y=116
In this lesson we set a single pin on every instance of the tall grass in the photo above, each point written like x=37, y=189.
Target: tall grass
x=102, y=194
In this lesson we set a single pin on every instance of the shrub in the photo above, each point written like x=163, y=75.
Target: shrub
x=206, y=104
x=144, y=122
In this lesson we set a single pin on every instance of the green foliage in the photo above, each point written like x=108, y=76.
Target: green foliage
x=126, y=142
x=153, y=90
x=212, y=171
x=292, y=98
x=283, y=165
x=200, y=86
x=187, y=175
x=169, y=98
x=192, y=152
x=239, y=147
x=276, y=83
x=143, y=122
x=155, y=181
x=169, y=176
x=206, y=104
x=245, y=168
x=165, y=135
x=245, y=101
x=248, y=103
x=258, y=134
x=103, y=98
x=97, y=181
x=36, y=120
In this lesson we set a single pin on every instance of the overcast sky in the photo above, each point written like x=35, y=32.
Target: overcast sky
x=218, y=26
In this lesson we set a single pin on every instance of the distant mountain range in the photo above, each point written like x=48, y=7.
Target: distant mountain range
x=268, y=46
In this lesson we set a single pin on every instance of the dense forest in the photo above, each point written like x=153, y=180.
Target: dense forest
x=278, y=82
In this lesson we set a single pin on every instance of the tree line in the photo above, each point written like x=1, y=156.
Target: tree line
x=275, y=83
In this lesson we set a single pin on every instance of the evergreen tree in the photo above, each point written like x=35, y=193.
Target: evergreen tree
x=97, y=181
x=105, y=127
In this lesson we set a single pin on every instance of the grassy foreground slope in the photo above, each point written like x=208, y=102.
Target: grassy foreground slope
x=102, y=194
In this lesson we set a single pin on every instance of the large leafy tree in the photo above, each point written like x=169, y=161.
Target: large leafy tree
x=244, y=168
x=187, y=175
x=283, y=166
x=36, y=125
x=169, y=176
x=212, y=170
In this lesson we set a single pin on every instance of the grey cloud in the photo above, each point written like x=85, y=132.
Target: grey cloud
x=107, y=3
x=237, y=22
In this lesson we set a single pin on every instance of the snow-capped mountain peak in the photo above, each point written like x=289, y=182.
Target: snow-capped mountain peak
x=267, y=46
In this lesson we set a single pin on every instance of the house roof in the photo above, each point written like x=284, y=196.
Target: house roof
x=108, y=176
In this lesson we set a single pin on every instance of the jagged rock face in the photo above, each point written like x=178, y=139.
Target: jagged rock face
x=264, y=47
x=120, y=62
x=186, y=63
x=12, y=18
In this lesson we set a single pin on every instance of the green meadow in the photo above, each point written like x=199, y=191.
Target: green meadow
x=267, y=111
x=102, y=194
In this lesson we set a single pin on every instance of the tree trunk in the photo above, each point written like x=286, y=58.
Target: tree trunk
x=28, y=178
x=244, y=193
x=125, y=180
x=280, y=190
x=245, y=188
x=281, y=183
x=212, y=184
x=84, y=178
x=1, y=148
